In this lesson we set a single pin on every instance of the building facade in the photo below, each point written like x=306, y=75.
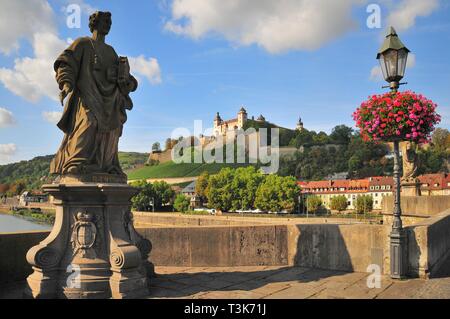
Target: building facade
x=221, y=127
x=377, y=187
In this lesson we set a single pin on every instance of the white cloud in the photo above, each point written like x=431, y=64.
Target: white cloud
x=283, y=25
x=277, y=26
x=6, y=118
x=406, y=12
x=52, y=117
x=7, y=149
x=376, y=74
x=148, y=68
x=21, y=19
x=33, y=78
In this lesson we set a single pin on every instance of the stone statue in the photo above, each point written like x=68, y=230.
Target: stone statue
x=410, y=182
x=93, y=250
x=410, y=160
x=97, y=83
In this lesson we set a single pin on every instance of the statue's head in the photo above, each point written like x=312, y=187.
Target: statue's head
x=100, y=21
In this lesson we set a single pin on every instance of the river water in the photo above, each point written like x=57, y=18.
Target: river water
x=9, y=223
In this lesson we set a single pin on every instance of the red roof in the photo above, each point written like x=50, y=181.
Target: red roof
x=435, y=181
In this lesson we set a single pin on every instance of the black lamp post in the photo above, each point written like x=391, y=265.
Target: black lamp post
x=393, y=56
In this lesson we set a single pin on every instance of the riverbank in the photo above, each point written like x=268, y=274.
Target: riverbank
x=42, y=217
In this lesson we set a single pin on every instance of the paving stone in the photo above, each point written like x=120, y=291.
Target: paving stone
x=260, y=288
x=402, y=289
x=286, y=275
x=233, y=294
x=295, y=292
x=274, y=282
x=434, y=289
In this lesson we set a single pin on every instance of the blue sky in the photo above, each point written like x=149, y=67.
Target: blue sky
x=190, y=68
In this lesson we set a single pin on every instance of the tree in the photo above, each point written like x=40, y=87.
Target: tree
x=303, y=137
x=246, y=181
x=364, y=204
x=276, y=194
x=163, y=194
x=441, y=139
x=181, y=203
x=17, y=188
x=341, y=134
x=156, y=194
x=313, y=203
x=142, y=201
x=3, y=188
x=201, y=186
x=321, y=138
x=156, y=147
x=339, y=203
x=219, y=190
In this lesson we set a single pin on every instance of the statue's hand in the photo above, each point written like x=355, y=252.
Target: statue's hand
x=64, y=92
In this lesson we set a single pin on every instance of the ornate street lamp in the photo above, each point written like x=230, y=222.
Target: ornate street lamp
x=393, y=56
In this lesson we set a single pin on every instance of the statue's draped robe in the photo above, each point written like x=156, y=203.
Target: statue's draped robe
x=94, y=112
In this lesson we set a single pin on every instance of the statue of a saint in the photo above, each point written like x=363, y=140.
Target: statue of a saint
x=97, y=83
x=410, y=161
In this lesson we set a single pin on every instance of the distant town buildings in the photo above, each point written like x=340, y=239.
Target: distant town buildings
x=378, y=187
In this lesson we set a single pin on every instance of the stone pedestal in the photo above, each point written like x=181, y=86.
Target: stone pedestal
x=411, y=187
x=93, y=250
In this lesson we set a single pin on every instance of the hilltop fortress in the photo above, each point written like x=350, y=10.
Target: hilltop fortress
x=224, y=126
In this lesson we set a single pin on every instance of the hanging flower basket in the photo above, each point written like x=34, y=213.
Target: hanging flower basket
x=405, y=116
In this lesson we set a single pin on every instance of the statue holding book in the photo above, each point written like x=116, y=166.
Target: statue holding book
x=95, y=82
x=93, y=250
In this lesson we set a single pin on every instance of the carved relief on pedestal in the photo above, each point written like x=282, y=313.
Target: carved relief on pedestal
x=43, y=257
x=84, y=235
x=143, y=244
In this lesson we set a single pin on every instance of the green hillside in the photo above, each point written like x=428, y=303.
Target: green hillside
x=172, y=170
x=35, y=172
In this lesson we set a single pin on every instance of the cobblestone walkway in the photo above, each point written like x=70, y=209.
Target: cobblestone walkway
x=276, y=283
x=286, y=283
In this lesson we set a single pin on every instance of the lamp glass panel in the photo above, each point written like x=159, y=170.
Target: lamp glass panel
x=391, y=58
x=402, y=61
x=383, y=67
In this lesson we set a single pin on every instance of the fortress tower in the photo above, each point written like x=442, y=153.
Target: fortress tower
x=300, y=125
x=242, y=117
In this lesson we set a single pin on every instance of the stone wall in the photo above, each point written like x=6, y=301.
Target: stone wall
x=338, y=247
x=13, y=250
x=218, y=246
x=429, y=245
x=345, y=247
x=162, y=157
x=420, y=206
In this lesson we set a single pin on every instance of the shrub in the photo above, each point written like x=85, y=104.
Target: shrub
x=339, y=203
x=181, y=203
x=313, y=203
x=364, y=204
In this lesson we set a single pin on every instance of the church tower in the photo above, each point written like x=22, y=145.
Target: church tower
x=300, y=125
x=242, y=117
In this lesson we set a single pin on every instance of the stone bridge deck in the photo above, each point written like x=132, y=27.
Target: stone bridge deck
x=276, y=283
